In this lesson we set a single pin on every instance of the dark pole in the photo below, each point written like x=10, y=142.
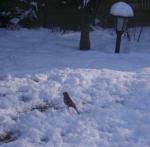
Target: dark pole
x=118, y=41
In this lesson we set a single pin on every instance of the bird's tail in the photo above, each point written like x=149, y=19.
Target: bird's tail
x=77, y=111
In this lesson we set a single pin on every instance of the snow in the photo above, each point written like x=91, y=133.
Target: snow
x=14, y=21
x=111, y=91
x=121, y=9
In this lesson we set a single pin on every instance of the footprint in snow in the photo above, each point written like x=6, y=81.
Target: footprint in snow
x=24, y=98
x=2, y=94
x=44, y=139
x=122, y=102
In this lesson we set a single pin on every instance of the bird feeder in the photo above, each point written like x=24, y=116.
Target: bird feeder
x=121, y=11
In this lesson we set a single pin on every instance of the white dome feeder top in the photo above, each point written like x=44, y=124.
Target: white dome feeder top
x=121, y=9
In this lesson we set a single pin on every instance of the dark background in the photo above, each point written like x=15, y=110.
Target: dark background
x=65, y=13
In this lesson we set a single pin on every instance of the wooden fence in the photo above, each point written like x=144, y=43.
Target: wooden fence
x=141, y=12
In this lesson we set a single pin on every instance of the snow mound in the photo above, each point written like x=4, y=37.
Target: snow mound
x=121, y=9
x=112, y=106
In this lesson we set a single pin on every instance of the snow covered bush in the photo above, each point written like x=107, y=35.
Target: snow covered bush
x=13, y=12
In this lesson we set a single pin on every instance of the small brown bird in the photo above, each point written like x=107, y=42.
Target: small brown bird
x=68, y=102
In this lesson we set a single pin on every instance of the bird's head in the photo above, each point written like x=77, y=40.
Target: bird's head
x=65, y=93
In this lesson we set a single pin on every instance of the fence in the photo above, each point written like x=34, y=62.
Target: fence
x=141, y=10
x=146, y=4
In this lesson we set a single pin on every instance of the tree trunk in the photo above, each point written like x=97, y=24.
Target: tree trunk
x=85, y=29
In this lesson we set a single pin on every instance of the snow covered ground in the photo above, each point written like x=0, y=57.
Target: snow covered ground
x=111, y=91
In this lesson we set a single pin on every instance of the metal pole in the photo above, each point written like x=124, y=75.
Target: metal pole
x=118, y=41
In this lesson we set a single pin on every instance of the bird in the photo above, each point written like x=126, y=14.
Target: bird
x=69, y=102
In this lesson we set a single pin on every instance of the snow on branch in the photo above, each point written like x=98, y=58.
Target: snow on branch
x=85, y=2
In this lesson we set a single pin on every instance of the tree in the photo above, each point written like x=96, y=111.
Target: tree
x=88, y=10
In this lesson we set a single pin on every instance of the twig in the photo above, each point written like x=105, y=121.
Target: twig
x=138, y=40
